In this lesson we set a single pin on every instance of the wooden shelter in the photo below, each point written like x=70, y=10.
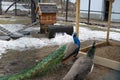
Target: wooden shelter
x=98, y=60
x=47, y=17
x=47, y=13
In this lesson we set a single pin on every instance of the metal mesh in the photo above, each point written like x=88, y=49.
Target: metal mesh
x=21, y=8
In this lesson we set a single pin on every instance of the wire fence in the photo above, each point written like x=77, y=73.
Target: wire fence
x=18, y=8
x=23, y=8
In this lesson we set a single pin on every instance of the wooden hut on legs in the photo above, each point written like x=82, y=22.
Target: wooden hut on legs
x=47, y=15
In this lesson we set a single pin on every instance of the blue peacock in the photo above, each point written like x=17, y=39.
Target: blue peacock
x=82, y=66
x=72, y=48
x=49, y=62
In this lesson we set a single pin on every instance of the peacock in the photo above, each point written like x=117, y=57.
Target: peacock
x=45, y=65
x=72, y=48
x=82, y=66
x=42, y=67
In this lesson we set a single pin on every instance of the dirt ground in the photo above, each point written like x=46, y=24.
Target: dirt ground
x=16, y=61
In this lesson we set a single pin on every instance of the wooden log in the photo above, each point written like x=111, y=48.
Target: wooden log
x=105, y=62
x=52, y=29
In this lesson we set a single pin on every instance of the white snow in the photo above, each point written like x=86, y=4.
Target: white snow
x=73, y=1
x=30, y=42
x=5, y=5
x=87, y=34
x=21, y=43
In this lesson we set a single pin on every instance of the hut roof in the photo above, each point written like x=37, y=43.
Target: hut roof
x=48, y=7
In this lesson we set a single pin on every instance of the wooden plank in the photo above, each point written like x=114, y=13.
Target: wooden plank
x=107, y=63
x=101, y=44
x=104, y=62
x=97, y=45
x=77, y=16
x=114, y=44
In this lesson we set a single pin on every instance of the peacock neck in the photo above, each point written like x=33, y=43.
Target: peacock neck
x=76, y=41
x=91, y=53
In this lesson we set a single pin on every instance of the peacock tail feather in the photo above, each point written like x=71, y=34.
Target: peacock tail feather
x=41, y=68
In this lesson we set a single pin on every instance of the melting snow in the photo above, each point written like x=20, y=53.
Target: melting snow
x=30, y=42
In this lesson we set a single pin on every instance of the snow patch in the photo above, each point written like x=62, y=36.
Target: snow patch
x=60, y=39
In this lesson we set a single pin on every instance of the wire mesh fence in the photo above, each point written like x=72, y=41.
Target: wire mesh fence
x=23, y=8
x=16, y=7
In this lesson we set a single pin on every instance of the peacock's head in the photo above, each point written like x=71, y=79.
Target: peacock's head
x=91, y=51
x=74, y=34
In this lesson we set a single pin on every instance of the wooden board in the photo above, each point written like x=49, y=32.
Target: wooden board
x=101, y=44
x=105, y=62
x=97, y=45
x=100, y=60
x=114, y=43
x=47, y=18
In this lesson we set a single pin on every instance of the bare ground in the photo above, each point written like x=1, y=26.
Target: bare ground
x=16, y=61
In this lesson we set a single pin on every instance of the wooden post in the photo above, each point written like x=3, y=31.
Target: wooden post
x=109, y=20
x=77, y=16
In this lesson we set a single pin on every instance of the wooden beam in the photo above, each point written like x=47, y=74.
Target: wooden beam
x=109, y=20
x=99, y=60
x=77, y=16
x=114, y=44
x=101, y=44
x=105, y=62
x=97, y=45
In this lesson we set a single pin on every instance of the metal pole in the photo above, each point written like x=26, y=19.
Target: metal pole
x=89, y=11
x=67, y=10
x=33, y=14
x=0, y=7
x=77, y=16
x=15, y=8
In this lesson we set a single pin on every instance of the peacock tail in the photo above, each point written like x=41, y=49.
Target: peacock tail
x=41, y=68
